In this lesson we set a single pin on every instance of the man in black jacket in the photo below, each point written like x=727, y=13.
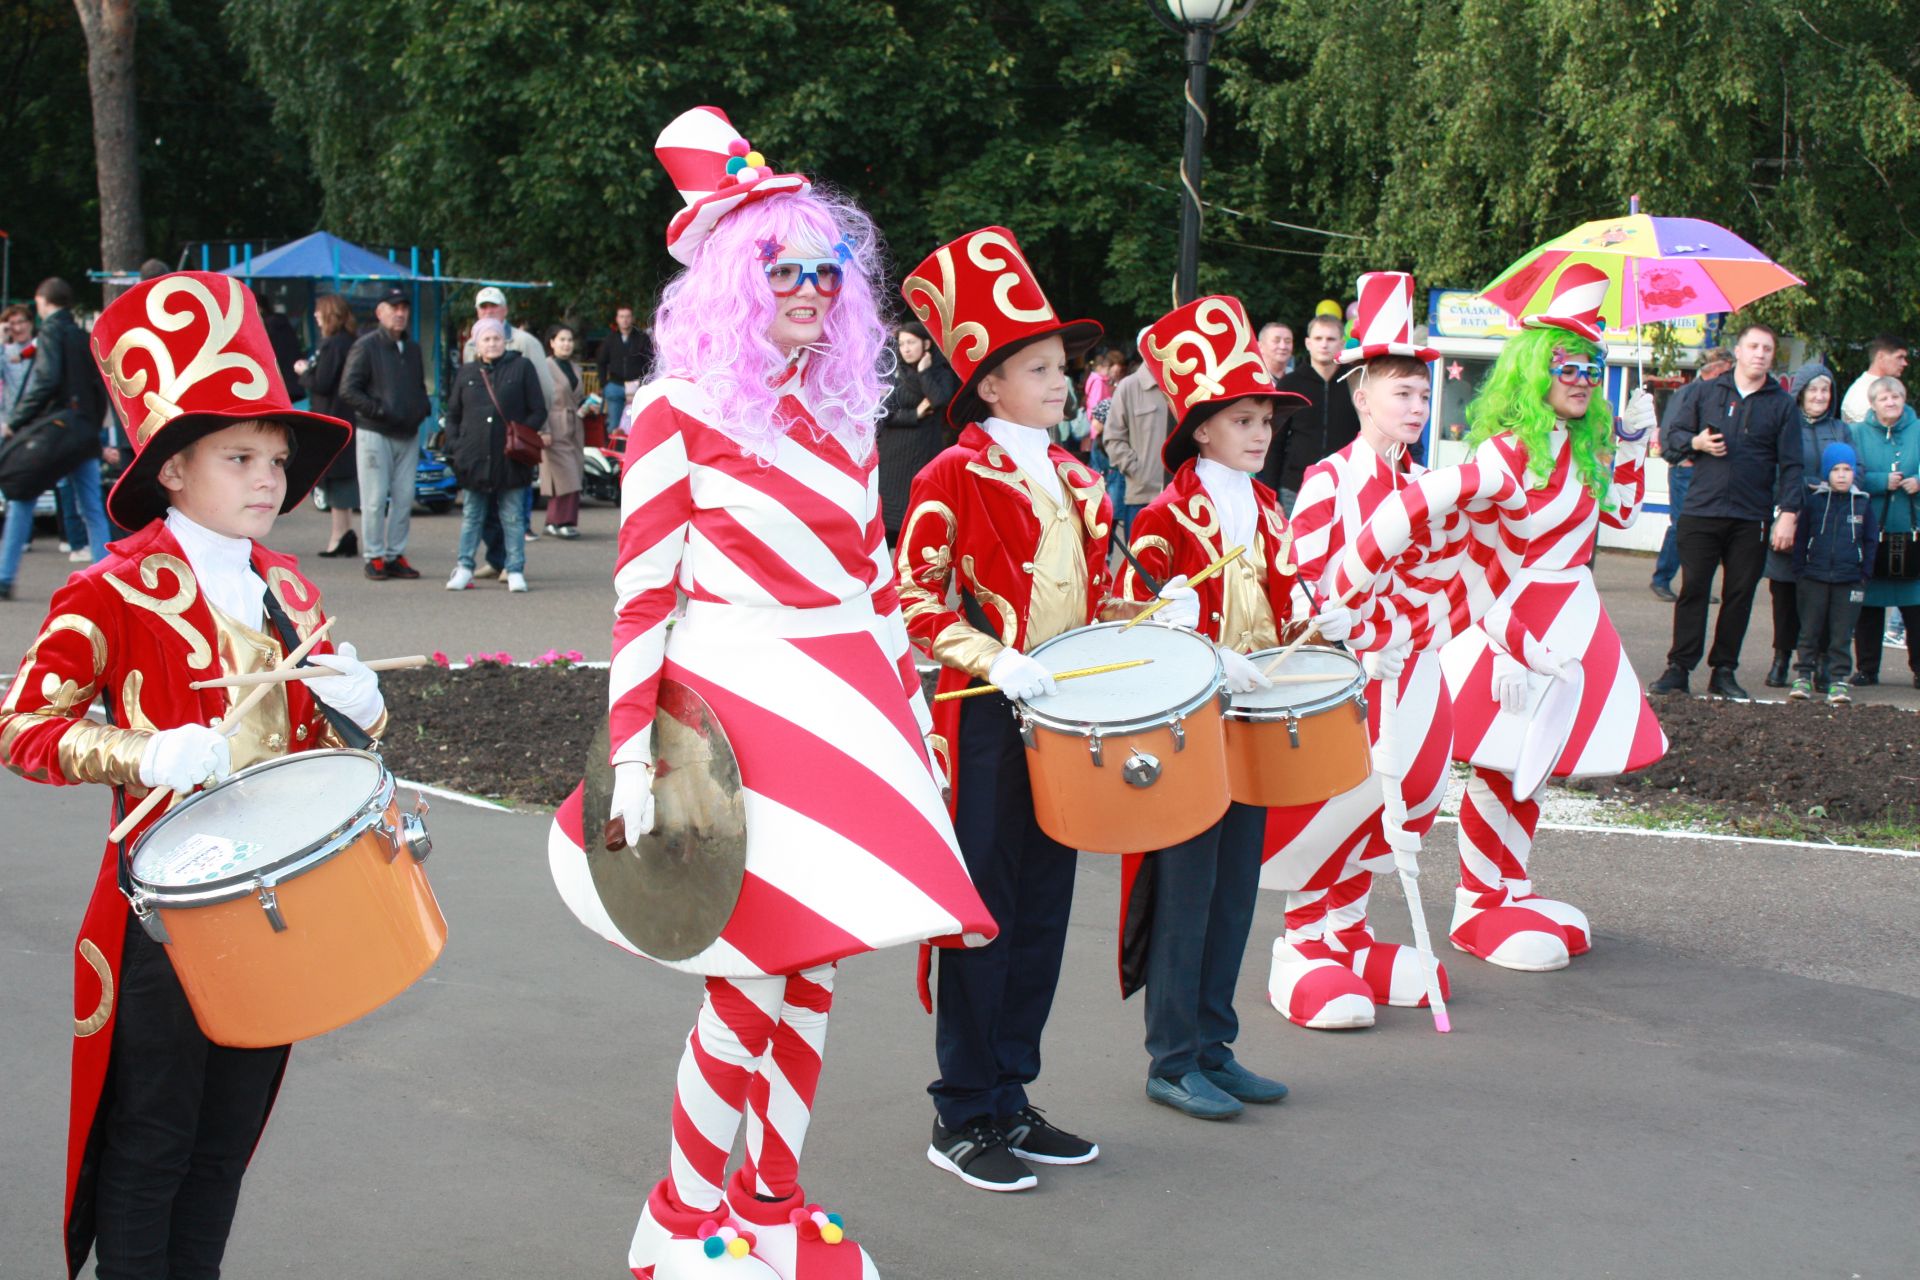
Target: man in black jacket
x=62, y=377
x=625, y=356
x=385, y=388
x=1328, y=423
x=1742, y=433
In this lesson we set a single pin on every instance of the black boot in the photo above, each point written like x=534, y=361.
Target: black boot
x=1723, y=685
x=1777, y=676
x=1672, y=680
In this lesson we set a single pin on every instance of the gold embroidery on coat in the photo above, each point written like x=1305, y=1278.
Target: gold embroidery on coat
x=1131, y=587
x=84, y=1027
x=171, y=610
x=1089, y=489
x=131, y=711
x=991, y=469
x=162, y=401
x=1203, y=523
x=1008, y=615
x=302, y=609
x=74, y=622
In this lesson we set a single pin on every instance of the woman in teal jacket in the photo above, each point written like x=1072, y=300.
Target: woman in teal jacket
x=1888, y=443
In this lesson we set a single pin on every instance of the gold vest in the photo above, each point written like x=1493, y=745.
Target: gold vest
x=263, y=735
x=1058, y=569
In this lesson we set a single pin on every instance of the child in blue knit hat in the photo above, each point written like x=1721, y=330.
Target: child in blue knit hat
x=1833, y=550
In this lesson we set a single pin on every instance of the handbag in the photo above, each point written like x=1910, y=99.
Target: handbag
x=40, y=454
x=524, y=445
x=1897, y=558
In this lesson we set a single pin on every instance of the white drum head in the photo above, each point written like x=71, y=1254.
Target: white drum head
x=1184, y=671
x=1553, y=706
x=1337, y=672
x=257, y=819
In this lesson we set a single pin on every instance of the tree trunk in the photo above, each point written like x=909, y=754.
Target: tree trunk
x=109, y=28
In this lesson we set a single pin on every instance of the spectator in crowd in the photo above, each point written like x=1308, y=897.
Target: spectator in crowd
x=496, y=387
x=16, y=341
x=910, y=435
x=1743, y=434
x=1833, y=549
x=1329, y=422
x=1680, y=475
x=1104, y=372
x=1138, y=418
x=282, y=338
x=624, y=357
x=491, y=304
x=563, y=459
x=1886, y=358
x=1888, y=445
x=1276, y=348
x=321, y=376
x=153, y=269
x=1812, y=386
x=384, y=386
x=61, y=377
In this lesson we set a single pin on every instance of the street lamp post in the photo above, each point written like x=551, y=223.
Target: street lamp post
x=1199, y=21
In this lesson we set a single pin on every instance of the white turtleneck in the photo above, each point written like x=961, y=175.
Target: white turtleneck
x=223, y=567
x=1028, y=446
x=1232, y=494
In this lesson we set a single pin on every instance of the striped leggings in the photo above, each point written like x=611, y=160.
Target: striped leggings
x=757, y=1048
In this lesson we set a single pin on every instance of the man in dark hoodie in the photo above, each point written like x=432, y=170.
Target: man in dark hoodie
x=1813, y=386
x=1833, y=550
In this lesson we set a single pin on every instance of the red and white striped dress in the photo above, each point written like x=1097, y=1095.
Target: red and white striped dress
x=792, y=635
x=1534, y=580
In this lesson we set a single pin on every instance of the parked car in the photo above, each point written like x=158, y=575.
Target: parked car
x=434, y=488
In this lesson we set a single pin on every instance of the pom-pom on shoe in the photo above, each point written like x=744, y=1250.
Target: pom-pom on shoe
x=672, y=1243
x=798, y=1240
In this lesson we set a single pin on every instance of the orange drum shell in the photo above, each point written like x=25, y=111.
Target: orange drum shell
x=362, y=927
x=1265, y=768
x=1093, y=808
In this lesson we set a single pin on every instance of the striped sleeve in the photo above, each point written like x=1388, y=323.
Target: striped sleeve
x=1629, y=486
x=656, y=508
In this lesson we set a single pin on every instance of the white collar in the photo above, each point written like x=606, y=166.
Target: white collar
x=1232, y=494
x=1029, y=447
x=1221, y=479
x=223, y=567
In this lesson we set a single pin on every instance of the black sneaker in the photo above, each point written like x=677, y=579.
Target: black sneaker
x=978, y=1156
x=399, y=568
x=1866, y=678
x=1032, y=1138
x=1672, y=680
x=1723, y=685
x=377, y=569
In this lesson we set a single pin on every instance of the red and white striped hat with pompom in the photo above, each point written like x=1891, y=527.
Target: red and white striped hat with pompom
x=1383, y=323
x=716, y=171
x=1577, y=296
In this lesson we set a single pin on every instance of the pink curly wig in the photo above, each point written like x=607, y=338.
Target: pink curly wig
x=712, y=324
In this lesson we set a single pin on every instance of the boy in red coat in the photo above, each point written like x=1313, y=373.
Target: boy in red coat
x=163, y=1120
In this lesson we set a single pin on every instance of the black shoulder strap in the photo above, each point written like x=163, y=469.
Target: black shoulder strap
x=350, y=733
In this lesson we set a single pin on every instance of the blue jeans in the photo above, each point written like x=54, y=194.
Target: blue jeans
x=614, y=394
x=1678, y=480
x=19, y=526
x=511, y=507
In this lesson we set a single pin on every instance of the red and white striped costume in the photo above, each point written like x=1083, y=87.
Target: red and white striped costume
x=1534, y=580
x=1328, y=971
x=792, y=635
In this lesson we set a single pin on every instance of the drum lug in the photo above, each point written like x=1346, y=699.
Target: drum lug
x=1293, y=732
x=150, y=920
x=1093, y=745
x=1225, y=697
x=1141, y=770
x=1179, y=735
x=1360, y=705
x=418, y=842
x=1026, y=732
x=271, y=905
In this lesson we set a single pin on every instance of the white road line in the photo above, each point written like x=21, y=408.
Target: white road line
x=458, y=797
x=1595, y=829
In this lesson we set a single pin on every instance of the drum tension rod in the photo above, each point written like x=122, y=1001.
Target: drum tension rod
x=271, y=905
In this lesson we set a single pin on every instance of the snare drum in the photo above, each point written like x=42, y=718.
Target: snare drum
x=1134, y=760
x=1300, y=743
x=290, y=898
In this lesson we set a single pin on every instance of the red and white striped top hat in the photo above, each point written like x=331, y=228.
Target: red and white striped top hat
x=716, y=171
x=1577, y=296
x=1383, y=325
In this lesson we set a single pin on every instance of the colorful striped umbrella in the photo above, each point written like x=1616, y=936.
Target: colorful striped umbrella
x=1657, y=268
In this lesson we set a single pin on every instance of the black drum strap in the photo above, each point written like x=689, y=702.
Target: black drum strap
x=350, y=733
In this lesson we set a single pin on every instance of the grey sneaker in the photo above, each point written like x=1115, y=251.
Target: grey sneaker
x=1801, y=691
x=1837, y=694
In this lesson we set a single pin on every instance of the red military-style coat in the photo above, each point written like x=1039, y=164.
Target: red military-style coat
x=133, y=630
x=972, y=525
x=1179, y=533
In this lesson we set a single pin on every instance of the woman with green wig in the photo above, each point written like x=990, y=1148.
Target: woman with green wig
x=1542, y=417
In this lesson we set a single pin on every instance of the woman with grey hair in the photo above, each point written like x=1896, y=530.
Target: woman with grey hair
x=496, y=387
x=1888, y=443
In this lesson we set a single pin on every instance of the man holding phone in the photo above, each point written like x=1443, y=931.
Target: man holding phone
x=1741, y=434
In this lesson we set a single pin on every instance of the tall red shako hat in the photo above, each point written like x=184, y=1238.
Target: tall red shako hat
x=716, y=171
x=1204, y=355
x=184, y=355
x=1577, y=296
x=1383, y=324
x=980, y=301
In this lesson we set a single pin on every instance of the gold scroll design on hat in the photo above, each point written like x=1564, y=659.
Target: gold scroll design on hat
x=162, y=400
x=171, y=610
x=940, y=300
x=1212, y=317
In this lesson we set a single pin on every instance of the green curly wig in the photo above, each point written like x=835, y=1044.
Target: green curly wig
x=1514, y=398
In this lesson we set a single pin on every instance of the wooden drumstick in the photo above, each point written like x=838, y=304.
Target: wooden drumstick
x=979, y=691
x=1310, y=632
x=291, y=674
x=1199, y=577
x=228, y=724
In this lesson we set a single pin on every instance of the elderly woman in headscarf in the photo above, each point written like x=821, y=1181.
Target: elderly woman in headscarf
x=1820, y=425
x=1888, y=443
x=498, y=386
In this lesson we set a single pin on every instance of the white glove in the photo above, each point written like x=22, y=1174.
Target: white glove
x=1639, y=417
x=1183, y=603
x=1335, y=624
x=1510, y=683
x=633, y=798
x=182, y=759
x=1388, y=663
x=355, y=692
x=1018, y=676
x=1243, y=675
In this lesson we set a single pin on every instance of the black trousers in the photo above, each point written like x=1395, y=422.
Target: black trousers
x=1870, y=635
x=1828, y=612
x=1203, y=895
x=1738, y=549
x=1786, y=615
x=182, y=1115
x=993, y=1001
